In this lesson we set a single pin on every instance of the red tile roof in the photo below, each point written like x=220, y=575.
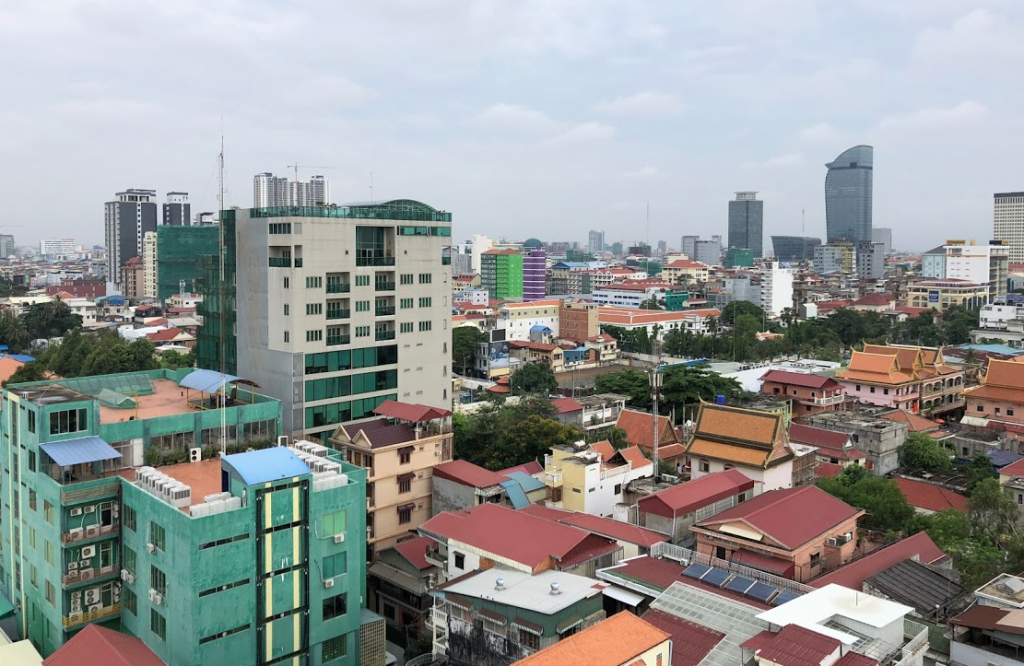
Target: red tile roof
x=791, y=517
x=639, y=428
x=410, y=411
x=692, y=495
x=635, y=457
x=775, y=565
x=99, y=646
x=853, y=574
x=517, y=536
x=914, y=422
x=931, y=497
x=380, y=433
x=800, y=379
x=829, y=439
x=468, y=474
x=852, y=658
x=164, y=334
x=981, y=617
x=532, y=468
x=607, y=527
x=621, y=639
x=825, y=470
x=875, y=299
x=691, y=642
x=566, y=406
x=794, y=645
x=415, y=550
x=604, y=449
x=1013, y=469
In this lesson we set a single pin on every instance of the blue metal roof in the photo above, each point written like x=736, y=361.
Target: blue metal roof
x=528, y=483
x=1003, y=458
x=209, y=381
x=266, y=465
x=24, y=358
x=80, y=451
x=515, y=494
x=538, y=328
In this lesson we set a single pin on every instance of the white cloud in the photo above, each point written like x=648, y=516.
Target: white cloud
x=778, y=162
x=515, y=118
x=331, y=92
x=645, y=104
x=976, y=37
x=646, y=172
x=820, y=133
x=962, y=115
x=584, y=133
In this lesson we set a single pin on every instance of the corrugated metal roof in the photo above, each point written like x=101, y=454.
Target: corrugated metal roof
x=209, y=381
x=265, y=465
x=515, y=494
x=528, y=483
x=80, y=451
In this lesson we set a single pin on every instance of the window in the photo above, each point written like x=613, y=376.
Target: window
x=221, y=634
x=334, y=648
x=158, y=624
x=335, y=565
x=158, y=580
x=885, y=391
x=69, y=420
x=335, y=606
x=362, y=280
x=425, y=326
x=48, y=512
x=280, y=227
x=32, y=502
x=406, y=278
x=404, y=485
x=872, y=389
x=224, y=541
x=334, y=522
x=32, y=422
x=815, y=560
x=529, y=640
x=705, y=466
x=618, y=489
x=33, y=575
x=405, y=455
x=51, y=594
x=425, y=301
x=405, y=303
x=404, y=516
x=362, y=331
x=130, y=559
x=1009, y=412
x=286, y=337
x=460, y=561
x=47, y=552
x=981, y=408
x=425, y=278
x=314, y=336
x=128, y=517
x=222, y=588
x=314, y=282
x=313, y=308
x=157, y=534
x=285, y=309
x=362, y=306
x=129, y=600
x=287, y=283
x=405, y=327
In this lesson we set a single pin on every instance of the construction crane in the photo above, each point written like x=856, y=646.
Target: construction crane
x=306, y=166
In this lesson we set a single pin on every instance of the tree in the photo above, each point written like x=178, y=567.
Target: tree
x=992, y=511
x=528, y=440
x=887, y=509
x=535, y=377
x=50, y=319
x=634, y=384
x=921, y=453
x=465, y=346
x=736, y=308
x=173, y=360
x=30, y=372
x=980, y=469
x=684, y=385
x=13, y=332
x=651, y=304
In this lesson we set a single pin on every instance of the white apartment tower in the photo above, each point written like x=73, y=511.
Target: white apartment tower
x=595, y=242
x=980, y=264
x=269, y=191
x=149, y=265
x=776, y=288
x=338, y=312
x=1008, y=223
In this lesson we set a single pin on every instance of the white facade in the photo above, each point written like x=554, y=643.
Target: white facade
x=83, y=307
x=1008, y=223
x=773, y=478
x=58, y=247
x=595, y=242
x=479, y=245
x=518, y=318
x=776, y=289
x=149, y=269
x=884, y=236
x=336, y=314
x=980, y=264
x=997, y=316
x=627, y=298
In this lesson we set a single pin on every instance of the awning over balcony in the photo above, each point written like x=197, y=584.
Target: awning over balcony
x=211, y=381
x=6, y=607
x=80, y=451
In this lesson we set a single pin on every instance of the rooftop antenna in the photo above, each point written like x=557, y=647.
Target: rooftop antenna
x=222, y=291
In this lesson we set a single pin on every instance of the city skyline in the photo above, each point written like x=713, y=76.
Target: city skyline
x=672, y=118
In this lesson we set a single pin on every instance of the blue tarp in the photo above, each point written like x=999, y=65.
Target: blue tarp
x=515, y=494
x=265, y=465
x=1003, y=458
x=209, y=381
x=80, y=451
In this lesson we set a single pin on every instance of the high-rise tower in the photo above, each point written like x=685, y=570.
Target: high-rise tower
x=746, y=223
x=848, y=195
x=126, y=220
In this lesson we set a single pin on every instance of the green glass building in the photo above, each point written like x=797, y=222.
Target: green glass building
x=501, y=273
x=179, y=257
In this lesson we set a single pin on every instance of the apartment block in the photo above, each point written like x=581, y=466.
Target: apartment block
x=501, y=273
x=333, y=310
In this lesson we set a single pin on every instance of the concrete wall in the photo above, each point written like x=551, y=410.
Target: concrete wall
x=451, y=496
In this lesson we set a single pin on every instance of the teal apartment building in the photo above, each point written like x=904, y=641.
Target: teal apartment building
x=115, y=508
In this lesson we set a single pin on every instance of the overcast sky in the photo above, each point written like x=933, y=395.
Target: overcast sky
x=523, y=118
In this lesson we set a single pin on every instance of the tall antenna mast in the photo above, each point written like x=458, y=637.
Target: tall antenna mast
x=222, y=305
x=803, y=220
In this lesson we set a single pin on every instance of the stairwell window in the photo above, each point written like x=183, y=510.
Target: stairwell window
x=335, y=607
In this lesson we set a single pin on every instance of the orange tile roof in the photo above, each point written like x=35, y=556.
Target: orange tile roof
x=639, y=428
x=728, y=453
x=909, y=358
x=915, y=422
x=670, y=451
x=8, y=366
x=865, y=361
x=734, y=423
x=930, y=496
x=621, y=639
x=996, y=393
x=635, y=456
x=603, y=449
x=1006, y=374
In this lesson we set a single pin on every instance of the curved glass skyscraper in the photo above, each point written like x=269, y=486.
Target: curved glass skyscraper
x=848, y=195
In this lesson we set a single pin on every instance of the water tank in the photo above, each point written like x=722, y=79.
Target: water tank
x=719, y=399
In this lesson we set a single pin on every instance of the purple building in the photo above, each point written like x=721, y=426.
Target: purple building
x=535, y=266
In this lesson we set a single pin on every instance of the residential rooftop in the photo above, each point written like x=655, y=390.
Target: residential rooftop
x=620, y=639
x=535, y=592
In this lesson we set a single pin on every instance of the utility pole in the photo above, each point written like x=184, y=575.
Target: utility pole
x=655, y=395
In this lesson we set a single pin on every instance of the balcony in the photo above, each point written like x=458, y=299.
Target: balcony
x=831, y=400
x=334, y=340
x=436, y=557
x=384, y=286
x=375, y=261
x=87, y=534
x=280, y=262
x=338, y=287
x=75, y=619
x=98, y=486
x=338, y=314
x=386, y=311
x=384, y=335
x=73, y=578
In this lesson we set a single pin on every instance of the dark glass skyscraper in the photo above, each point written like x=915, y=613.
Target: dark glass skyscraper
x=746, y=223
x=848, y=195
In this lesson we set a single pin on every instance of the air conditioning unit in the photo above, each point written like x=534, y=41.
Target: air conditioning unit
x=833, y=541
x=86, y=574
x=92, y=530
x=150, y=548
x=152, y=594
x=90, y=509
x=76, y=606
x=76, y=596
x=72, y=566
x=95, y=608
x=88, y=551
x=92, y=596
x=76, y=532
x=195, y=455
x=158, y=599
x=329, y=583
x=130, y=579
x=84, y=564
x=848, y=536
x=77, y=511
x=339, y=538
x=437, y=453
x=124, y=574
x=282, y=440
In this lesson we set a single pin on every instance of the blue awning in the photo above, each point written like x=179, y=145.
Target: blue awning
x=210, y=381
x=79, y=451
x=515, y=494
x=265, y=465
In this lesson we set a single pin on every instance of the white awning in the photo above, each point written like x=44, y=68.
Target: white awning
x=625, y=596
x=976, y=421
x=741, y=531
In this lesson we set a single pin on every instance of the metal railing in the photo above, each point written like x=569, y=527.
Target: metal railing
x=90, y=532
x=84, y=575
x=83, y=494
x=687, y=556
x=338, y=287
x=384, y=335
x=75, y=619
x=384, y=286
x=338, y=314
x=280, y=262
x=385, y=311
x=833, y=400
x=338, y=340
